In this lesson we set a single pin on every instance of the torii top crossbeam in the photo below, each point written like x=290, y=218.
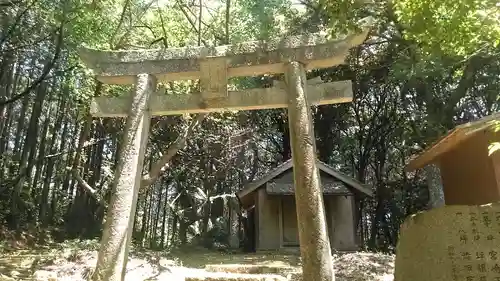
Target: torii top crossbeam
x=243, y=59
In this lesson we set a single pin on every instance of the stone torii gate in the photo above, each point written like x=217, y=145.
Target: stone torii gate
x=213, y=66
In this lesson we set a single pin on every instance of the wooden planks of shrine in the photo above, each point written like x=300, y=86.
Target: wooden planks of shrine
x=213, y=66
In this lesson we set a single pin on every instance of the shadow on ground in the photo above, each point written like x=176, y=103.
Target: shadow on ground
x=198, y=258
x=76, y=260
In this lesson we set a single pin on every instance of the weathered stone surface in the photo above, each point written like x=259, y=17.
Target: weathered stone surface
x=452, y=243
x=313, y=81
x=244, y=59
x=252, y=99
x=343, y=235
x=234, y=209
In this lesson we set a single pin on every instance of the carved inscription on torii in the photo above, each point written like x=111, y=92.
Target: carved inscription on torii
x=260, y=98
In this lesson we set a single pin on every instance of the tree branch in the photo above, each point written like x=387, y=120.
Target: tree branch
x=46, y=70
x=192, y=23
x=16, y=22
x=228, y=8
x=120, y=23
x=199, y=23
x=82, y=183
x=86, y=144
x=177, y=145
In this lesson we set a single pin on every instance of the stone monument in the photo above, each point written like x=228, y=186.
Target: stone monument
x=451, y=243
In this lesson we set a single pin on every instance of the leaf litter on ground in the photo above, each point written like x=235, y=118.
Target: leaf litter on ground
x=76, y=259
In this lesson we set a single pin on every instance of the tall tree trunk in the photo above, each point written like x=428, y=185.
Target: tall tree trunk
x=8, y=79
x=434, y=184
x=43, y=214
x=5, y=138
x=154, y=237
x=39, y=161
x=164, y=220
x=150, y=230
x=233, y=208
x=29, y=148
x=43, y=199
x=19, y=133
x=34, y=127
x=375, y=223
x=42, y=150
x=84, y=135
x=147, y=223
x=183, y=227
x=62, y=164
x=144, y=219
x=175, y=225
x=207, y=241
x=286, y=153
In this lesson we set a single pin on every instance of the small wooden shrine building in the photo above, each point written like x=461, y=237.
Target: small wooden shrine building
x=272, y=216
x=470, y=174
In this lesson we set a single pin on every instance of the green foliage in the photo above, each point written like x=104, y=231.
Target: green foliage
x=453, y=28
x=258, y=19
x=459, y=28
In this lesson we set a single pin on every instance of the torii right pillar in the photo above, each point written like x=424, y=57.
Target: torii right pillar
x=313, y=234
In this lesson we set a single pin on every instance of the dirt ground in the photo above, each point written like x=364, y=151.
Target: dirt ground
x=75, y=260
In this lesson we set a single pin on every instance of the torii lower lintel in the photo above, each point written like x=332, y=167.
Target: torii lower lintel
x=252, y=99
x=313, y=234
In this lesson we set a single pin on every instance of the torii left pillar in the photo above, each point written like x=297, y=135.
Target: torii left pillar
x=128, y=175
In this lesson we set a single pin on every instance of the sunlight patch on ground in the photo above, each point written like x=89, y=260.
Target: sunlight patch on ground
x=76, y=260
